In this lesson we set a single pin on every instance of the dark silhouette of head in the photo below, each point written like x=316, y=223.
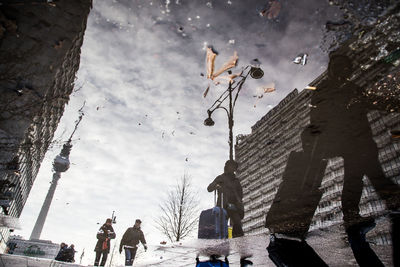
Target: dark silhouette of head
x=340, y=67
x=230, y=166
x=138, y=222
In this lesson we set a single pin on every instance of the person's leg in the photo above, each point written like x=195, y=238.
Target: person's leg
x=352, y=190
x=390, y=193
x=363, y=253
x=128, y=257
x=357, y=226
x=237, y=229
x=97, y=260
x=104, y=258
x=133, y=253
x=395, y=217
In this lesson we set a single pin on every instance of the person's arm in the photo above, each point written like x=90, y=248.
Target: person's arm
x=240, y=189
x=143, y=240
x=214, y=185
x=101, y=235
x=122, y=243
x=111, y=234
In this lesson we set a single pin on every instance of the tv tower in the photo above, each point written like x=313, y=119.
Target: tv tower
x=60, y=164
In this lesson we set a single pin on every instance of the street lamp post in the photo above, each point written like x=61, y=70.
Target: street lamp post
x=256, y=73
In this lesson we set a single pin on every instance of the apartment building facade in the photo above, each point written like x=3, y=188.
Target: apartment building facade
x=263, y=154
x=39, y=57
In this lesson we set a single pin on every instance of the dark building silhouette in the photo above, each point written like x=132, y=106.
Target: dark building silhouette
x=40, y=44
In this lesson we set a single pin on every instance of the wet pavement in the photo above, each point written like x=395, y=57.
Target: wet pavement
x=330, y=244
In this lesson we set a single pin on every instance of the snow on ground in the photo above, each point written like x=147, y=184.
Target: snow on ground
x=330, y=244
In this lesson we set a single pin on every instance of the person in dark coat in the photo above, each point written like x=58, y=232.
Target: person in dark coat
x=339, y=127
x=232, y=193
x=104, y=235
x=61, y=252
x=70, y=253
x=130, y=240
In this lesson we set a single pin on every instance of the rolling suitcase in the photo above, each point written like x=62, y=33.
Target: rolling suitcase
x=213, y=223
x=297, y=198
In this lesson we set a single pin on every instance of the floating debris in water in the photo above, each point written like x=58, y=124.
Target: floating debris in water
x=272, y=11
x=365, y=67
x=382, y=52
x=227, y=65
x=269, y=89
x=206, y=91
x=301, y=59
x=334, y=26
x=260, y=91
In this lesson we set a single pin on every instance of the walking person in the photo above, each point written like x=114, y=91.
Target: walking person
x=232, y=193
x=130, y=240
x=104, y=235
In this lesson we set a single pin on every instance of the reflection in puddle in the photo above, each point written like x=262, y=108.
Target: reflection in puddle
x=320, y=170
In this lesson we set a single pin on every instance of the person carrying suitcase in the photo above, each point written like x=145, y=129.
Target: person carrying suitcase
x=229, y=186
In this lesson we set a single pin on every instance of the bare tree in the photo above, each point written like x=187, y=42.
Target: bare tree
x=179, y=211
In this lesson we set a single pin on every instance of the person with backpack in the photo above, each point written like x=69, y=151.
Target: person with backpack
x=104, y=235
x=130, y=240
x=230, y=189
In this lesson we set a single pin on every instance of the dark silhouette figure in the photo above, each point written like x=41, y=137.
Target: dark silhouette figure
x=61, y=255
x=104, y=235
x=71, y=253
x=130, y=240
x=338, y=128
x=230, y=189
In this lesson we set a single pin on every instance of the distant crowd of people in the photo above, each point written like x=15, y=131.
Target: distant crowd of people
x=66, y=254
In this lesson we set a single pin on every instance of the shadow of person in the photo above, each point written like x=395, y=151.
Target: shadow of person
x=338, y=127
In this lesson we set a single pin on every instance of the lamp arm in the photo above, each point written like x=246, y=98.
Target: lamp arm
x=240, y=84
x=210, y=111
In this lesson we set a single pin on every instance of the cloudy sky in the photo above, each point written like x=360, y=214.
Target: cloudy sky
x=140, y=75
